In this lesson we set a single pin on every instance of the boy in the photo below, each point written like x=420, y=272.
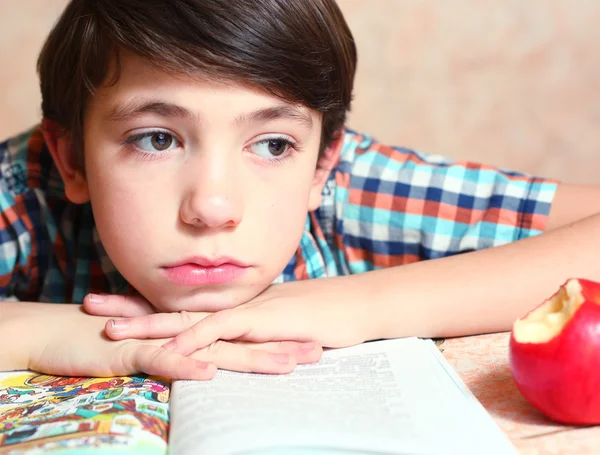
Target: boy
x=182, y=146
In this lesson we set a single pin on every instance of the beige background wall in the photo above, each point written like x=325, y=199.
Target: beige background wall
x=509, y=82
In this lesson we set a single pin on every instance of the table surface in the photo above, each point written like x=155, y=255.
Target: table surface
x=482, y=362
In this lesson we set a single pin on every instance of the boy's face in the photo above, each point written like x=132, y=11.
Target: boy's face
x=198, y=196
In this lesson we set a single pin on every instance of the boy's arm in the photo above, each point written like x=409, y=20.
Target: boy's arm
x=12, y=335
x=572, y=203
x=487, y=290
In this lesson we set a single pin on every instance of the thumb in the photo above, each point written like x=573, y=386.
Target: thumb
x=117, y=305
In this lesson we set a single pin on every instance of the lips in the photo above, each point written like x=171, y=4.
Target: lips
x=201, y=271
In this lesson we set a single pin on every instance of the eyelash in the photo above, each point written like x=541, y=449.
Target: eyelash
x=144, y=154
x=278, y=160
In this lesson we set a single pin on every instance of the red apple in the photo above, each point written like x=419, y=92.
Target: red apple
x=555, y=354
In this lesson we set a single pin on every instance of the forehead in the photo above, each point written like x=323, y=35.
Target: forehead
x=135, y=80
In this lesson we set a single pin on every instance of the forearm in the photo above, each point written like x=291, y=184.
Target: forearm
x=26, y=328
x=483, y=291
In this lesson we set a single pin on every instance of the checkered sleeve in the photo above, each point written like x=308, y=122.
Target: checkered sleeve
x=18, y=206
x=395, y=206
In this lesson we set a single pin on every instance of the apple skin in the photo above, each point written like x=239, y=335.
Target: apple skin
x=561, y=377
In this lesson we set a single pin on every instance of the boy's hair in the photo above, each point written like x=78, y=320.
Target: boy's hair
x=299, y=50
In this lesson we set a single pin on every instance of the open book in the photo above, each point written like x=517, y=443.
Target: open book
x=386, y=397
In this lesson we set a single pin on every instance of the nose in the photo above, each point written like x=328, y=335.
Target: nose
x=213, y=193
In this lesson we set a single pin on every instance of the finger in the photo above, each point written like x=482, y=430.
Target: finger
x=239, y=357
x=223, y=325
x=303, y=352
x=155, y=360
x=117, y=305
x=157, y=325
x=233, y=324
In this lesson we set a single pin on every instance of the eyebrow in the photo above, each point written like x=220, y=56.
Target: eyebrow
x=277, y=112
x=139, y=106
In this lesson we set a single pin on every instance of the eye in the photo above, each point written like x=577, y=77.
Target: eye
x=153, y=141
x=272, y=147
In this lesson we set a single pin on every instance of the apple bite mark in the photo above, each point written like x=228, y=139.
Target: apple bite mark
x=546, y=321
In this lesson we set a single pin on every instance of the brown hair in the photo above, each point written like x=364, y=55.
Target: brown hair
x=300, y=50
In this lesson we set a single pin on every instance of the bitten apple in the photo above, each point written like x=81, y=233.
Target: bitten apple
x=555, y=354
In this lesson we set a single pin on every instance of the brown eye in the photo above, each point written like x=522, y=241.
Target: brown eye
x=161, y=141
x=272, y=148
x=153, y=142
x=277, y=147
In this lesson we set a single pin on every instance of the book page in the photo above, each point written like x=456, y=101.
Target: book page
x=70, y=415
x=385, y=397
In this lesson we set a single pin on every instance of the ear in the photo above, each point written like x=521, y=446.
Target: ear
x=326, y=163
x=60, y=146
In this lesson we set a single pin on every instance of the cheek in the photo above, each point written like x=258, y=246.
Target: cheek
x=283, y=218
x=289, y=208
x=127, y=215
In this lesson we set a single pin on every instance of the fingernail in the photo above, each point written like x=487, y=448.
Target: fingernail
x=307, y=347
x=119, y=325
x=202, y=365
x=283, y=359
x=95, y=298
x=169, y=345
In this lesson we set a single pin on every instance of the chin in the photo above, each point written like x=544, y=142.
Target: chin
x=202, y=300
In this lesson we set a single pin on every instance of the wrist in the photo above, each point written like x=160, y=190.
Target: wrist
x=390, y=311
x=371, y=293
x=15, y=331
x=28, y=328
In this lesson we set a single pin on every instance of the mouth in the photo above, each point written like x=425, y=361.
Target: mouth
x=201, y=271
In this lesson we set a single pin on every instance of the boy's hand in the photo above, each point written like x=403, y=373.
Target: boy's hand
x=142, y=321
x=66, y=341
x=331, y=311
x=83, y=351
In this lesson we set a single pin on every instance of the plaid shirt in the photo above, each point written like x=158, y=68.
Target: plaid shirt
x=382, y=206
